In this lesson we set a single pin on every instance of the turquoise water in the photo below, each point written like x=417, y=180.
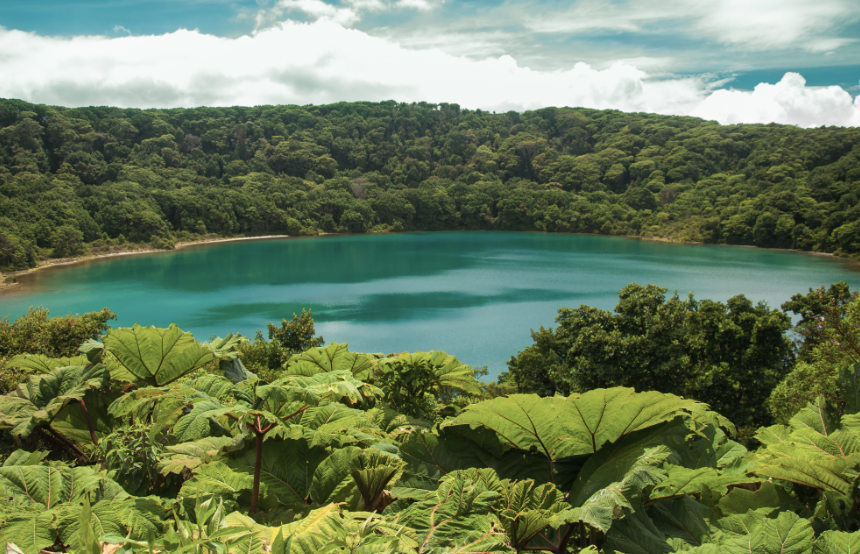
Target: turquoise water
x=474, y=295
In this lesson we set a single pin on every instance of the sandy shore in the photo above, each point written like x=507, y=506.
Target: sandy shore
x=8, y=280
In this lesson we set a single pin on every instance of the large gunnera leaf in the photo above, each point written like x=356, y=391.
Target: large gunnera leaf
x=431, y=457
x=192, y=454
x=578, y=425
x=447, y=370
x=156, y=356
x=334, y=386
x=459, y=514
x=334, y=357
x=814, y=450
x=837, y=542
x=681, y=480
x=309, y=535
x=28, y=531
x=37, y=401
x=37, y=497
x=336, y=425
x=332, y=529
x=39, y=363
x=44, y=487
x=527, y=509
x=216, y=478
x=126, y=516
x=24, y=458
x=374, y=472
x=787, y=533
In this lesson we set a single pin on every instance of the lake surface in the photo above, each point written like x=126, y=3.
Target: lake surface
x=475, y=295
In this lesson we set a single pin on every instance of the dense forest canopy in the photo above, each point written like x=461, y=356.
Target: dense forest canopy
x=142, y=439
x=96, y=178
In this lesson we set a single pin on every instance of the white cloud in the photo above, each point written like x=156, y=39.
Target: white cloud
x=776, y=23
x=420, y=5
x=474, y=44
x=827, y=45
x=315, y=9
x=346, y=13
x=854, y=120
x=756, y=24
x=323, y=61
x=594, y=15
x=788, y=101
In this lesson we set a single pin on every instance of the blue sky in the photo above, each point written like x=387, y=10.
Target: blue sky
x=70, y=18
x=790, y=61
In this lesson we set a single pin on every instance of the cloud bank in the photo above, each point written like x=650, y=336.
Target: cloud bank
x=757, y=25
x=325, y=61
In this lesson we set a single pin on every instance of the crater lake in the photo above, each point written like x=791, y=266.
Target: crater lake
x=475, y=295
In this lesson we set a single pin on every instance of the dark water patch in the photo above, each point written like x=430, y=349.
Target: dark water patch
x=376, y=307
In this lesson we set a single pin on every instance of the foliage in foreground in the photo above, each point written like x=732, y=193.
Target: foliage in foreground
x=147, y=441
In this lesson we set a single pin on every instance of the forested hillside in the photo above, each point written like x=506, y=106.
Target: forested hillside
x=75, y=179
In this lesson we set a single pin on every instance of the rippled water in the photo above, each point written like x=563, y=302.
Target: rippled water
x=475, y=295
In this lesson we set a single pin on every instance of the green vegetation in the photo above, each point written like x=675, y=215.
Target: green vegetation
x=733, y=355
x=730, y=354
x=830, y=345
x=53, y=339
x=265, y=357
x=73, y=180
x=146, y=440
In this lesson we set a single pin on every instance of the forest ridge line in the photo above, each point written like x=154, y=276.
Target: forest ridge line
x=79, y=180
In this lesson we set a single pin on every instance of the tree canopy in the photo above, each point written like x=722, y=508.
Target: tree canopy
x=730, y=354
x=100, y=178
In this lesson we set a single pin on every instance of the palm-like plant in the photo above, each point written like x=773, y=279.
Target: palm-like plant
x=35, y=404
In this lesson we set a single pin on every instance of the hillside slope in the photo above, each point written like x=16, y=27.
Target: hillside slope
x=73, y=179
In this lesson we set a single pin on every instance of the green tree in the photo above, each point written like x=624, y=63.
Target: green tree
x=54, y=337
x=819, y=310
x=294, y=336
x=729, y=354
x=416, y=383
x=67, y=241
x=829, y=353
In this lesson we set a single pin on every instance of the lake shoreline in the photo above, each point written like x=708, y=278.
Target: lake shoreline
x=9, y=282
x=853, y=261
